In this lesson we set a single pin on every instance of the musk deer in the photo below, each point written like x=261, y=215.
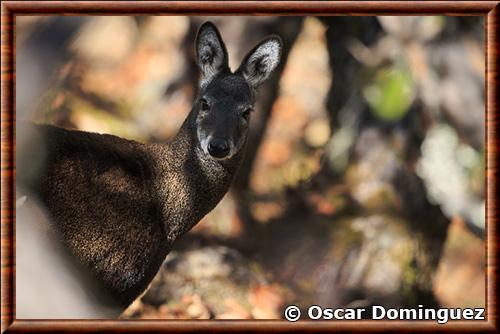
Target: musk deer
x=118, y=205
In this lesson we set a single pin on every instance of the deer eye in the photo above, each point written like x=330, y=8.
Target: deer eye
x=204, y=106
x=246, y=113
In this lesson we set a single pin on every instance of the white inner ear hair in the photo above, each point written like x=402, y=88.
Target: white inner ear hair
x=210, y=56
x=267, y=58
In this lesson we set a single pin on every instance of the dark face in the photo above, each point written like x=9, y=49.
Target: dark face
x=225, y=99
x=223, y=116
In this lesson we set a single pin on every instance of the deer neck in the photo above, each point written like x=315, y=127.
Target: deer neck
x=192, y=182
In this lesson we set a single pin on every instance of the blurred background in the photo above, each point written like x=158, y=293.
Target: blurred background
x=364, y=178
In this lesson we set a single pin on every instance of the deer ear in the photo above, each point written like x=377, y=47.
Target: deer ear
x=261, y=61
x=211, y=54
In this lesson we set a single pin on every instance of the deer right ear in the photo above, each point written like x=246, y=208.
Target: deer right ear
x=211, y=53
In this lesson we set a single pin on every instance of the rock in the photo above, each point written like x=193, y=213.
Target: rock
x=206, y=282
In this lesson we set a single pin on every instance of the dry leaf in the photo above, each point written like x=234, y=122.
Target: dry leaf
x=234, y=310
x=266, y=302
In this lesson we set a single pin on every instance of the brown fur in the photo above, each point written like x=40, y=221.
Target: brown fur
x=118, y=205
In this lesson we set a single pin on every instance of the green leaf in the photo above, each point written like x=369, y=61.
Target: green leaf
x=391, y=93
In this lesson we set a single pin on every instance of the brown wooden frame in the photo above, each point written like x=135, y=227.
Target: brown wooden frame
x=9, y=9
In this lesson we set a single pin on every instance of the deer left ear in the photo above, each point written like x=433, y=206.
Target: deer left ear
x=261, y=61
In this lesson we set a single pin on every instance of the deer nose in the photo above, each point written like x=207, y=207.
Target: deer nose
x=218, y=148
